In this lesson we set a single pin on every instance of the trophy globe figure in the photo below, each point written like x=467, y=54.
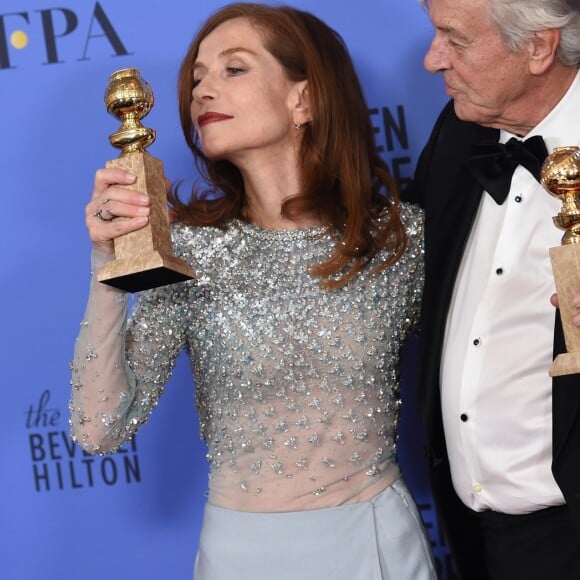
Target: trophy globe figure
x=560, y=176
x=144, y=258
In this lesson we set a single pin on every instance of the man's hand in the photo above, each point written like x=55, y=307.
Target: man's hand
x=575, y=302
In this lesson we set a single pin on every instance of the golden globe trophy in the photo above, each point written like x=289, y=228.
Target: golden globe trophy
x=560, y=176
x=144, y=258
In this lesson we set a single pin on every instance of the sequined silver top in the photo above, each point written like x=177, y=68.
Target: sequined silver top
x=297, y=387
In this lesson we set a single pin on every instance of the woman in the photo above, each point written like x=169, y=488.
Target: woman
x=308, y=280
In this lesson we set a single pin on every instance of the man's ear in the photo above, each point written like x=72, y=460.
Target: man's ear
x=543, y=49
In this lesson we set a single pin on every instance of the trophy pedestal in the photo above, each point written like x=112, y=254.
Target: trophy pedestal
x=567, y=363
x=144, y=271
x=144, y=259
x=566, y=268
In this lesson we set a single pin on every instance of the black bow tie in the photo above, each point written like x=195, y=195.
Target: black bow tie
x=493, y=164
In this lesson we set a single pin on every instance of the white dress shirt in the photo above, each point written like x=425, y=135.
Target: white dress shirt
x=496, y=391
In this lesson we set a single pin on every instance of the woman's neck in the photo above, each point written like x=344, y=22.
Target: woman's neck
x=267, y=188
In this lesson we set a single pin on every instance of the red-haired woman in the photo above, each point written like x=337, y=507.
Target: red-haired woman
x=308, y=281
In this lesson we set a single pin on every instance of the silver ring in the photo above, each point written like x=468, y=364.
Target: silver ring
x=99, y=214
x=106, y=200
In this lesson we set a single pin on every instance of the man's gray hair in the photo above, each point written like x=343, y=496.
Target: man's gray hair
x=519, y=20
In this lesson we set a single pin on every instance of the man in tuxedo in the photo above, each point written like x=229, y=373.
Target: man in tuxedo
x=503, y=437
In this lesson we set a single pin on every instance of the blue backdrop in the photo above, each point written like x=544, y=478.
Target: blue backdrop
x=134, y=515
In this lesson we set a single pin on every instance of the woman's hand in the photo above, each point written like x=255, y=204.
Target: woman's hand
x=114, y=210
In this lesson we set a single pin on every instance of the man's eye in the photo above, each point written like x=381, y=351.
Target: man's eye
x=455, y=43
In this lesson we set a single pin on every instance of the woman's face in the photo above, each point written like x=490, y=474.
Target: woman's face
x=243, y=104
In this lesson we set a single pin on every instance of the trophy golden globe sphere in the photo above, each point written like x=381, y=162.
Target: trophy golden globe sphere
x=129, y=97
x=560, y=176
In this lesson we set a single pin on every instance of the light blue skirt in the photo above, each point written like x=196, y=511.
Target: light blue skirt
x=379, y=539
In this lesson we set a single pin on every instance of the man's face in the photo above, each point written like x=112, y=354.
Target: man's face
x=488, y=83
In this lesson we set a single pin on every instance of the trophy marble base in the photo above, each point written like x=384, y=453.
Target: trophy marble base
x=150, y=271
x=144, y=258
x=566, y=268
x=565, y=364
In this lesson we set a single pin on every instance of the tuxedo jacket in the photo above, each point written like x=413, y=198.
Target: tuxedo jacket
x=450, y=197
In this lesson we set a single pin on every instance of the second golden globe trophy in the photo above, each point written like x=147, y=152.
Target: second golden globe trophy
x=144, y=258
x=561, y=178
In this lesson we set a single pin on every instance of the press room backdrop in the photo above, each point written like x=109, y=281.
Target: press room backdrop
x=134, y=515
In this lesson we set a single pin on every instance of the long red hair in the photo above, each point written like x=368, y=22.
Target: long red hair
x=344, y=182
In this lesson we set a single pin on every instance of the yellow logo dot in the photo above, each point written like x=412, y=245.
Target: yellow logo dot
x=19, y=39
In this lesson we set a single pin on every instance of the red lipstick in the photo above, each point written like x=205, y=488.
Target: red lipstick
x=211, y=117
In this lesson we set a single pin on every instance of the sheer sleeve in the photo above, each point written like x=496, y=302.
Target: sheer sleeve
x=120, y=366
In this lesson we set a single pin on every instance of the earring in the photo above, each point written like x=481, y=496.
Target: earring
x=299, y=126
